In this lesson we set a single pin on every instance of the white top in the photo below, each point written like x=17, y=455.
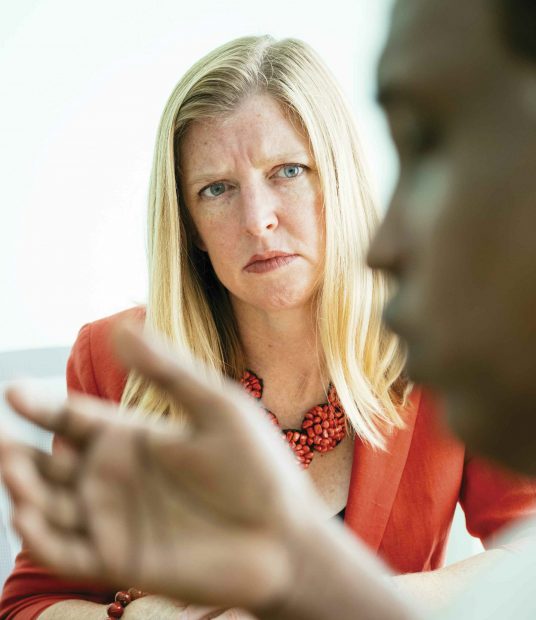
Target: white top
x=505, y=592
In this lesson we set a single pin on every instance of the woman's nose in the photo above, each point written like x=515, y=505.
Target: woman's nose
x=259, y=209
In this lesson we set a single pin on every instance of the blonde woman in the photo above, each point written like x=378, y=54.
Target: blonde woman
x=259, y=219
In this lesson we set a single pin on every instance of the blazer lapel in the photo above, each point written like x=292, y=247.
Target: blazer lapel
x=375, y=479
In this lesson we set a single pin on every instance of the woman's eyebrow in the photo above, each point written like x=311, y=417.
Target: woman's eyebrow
x=206, y=176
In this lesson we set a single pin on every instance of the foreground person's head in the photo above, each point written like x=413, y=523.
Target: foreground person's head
x=458, y=81
x=257, y=152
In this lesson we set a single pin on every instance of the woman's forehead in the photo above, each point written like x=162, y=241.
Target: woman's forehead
x=259, y=130
x=258, y=111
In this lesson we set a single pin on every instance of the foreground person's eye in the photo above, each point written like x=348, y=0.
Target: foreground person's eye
x=423, y=140
x=415, y=134
x=213, y=190
x=290, y=171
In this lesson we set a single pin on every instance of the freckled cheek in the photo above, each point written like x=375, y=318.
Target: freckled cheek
x=222, y=242
x=304, y=209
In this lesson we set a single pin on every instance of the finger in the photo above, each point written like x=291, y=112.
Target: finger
x=34, y=405
x=24, y=478
x=62, y=467
x=65, y=551
x=14, y=469
x=204, y=398
x=77, y=419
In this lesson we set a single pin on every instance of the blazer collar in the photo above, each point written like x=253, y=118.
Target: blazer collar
x=375, y=479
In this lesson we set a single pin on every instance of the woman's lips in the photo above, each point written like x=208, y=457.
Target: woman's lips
x=269, y=264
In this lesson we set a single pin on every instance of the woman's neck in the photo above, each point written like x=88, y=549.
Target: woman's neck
x=283, y=348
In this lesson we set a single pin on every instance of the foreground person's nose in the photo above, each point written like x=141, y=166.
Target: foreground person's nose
x=386, y=248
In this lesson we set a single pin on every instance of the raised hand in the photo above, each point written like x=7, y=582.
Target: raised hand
x=201, y=514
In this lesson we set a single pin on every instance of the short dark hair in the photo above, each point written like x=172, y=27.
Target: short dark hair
x=518, y=24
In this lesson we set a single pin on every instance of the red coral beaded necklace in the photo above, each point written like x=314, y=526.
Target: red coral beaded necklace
x=323, y=427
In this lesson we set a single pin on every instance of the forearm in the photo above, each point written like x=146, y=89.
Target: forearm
x=336, y=577
x=434, y=589
x=74, y=610
x=147, y=608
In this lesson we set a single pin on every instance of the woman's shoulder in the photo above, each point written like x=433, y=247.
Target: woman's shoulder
x=100, y=329
x=93, y=367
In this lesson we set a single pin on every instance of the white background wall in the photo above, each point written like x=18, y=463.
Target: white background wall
x=82, y=87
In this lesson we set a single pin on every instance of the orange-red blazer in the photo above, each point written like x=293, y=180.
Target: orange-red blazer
x=401, y=501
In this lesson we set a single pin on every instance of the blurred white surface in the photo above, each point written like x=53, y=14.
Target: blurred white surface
x=461, y=544
x=47, y=366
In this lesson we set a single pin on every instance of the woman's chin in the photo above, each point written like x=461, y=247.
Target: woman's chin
x=277, y=299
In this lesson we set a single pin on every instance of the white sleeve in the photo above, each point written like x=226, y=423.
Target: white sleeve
x=507, y=590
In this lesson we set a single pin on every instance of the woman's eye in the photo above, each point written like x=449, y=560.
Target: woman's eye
x=290, y=171
x=214, y=190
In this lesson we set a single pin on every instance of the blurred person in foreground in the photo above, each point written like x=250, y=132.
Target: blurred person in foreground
x=459, y=239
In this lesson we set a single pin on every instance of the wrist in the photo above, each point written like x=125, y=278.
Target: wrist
x=300, y=549
x=332, y=575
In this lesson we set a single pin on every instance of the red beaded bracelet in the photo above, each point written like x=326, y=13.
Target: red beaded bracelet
x=122, y=599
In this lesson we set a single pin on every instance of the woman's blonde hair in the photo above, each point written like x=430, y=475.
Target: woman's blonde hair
x=187, y=303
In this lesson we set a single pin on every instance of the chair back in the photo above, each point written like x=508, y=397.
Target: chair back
x=47, y=368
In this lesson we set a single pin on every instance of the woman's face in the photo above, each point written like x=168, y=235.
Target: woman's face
x=250, y=185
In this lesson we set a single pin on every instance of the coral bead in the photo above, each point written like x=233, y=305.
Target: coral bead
x=123, y=598
x=115, y=610
x=135, y=593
